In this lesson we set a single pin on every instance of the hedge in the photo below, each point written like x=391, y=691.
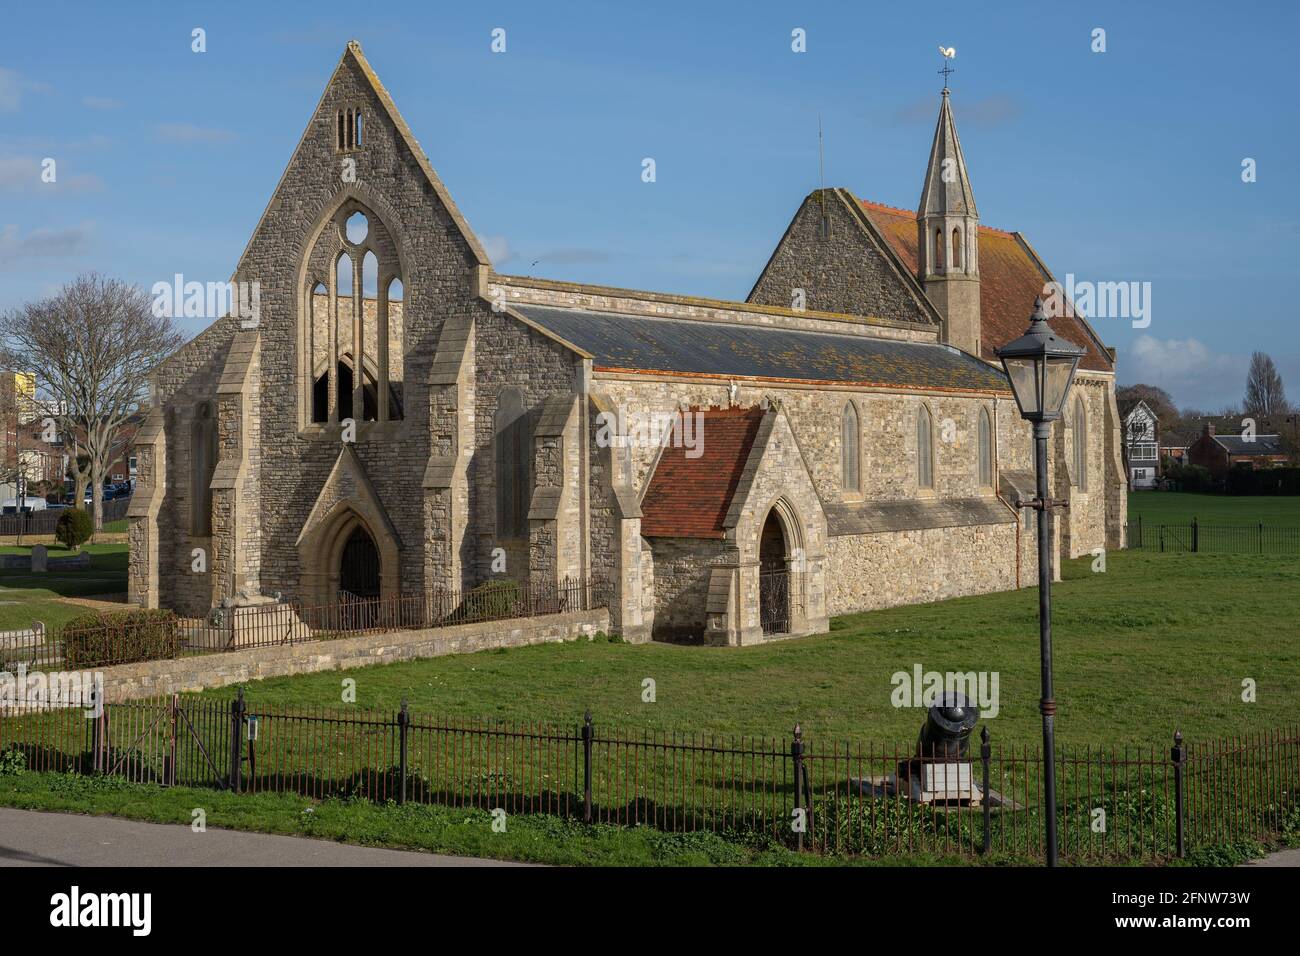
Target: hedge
x=122, y=637
x=1244, y=480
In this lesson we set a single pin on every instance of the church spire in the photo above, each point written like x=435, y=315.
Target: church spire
x=948, y=235
x=946, y=191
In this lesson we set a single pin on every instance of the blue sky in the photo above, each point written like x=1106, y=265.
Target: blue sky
x=1117, y=166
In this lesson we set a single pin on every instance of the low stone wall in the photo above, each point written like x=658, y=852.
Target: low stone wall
x=150, y=678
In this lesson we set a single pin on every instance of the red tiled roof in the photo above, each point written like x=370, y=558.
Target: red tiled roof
x=1010, y=280
x=689, y=497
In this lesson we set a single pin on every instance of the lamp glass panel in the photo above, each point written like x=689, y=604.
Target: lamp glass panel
x=1056, y=383
x=1022, y=374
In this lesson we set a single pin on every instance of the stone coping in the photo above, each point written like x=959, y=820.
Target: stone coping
x=201, y=672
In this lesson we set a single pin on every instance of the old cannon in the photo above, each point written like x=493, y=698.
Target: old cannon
x=940, y=768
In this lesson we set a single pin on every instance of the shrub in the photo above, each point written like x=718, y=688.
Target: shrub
x=12, y=763
x=489, y=602
x=93, y=640
x=1191, y=478
x=74, y=528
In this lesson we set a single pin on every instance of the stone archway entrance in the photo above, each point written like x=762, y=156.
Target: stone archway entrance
x=359, y=565
x=773, y=577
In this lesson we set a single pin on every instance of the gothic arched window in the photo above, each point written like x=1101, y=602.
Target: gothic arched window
x=512, y=446
x=924, y=449
x=985, y=449
x=850, y=458
x=1080, y=429
x=203, y=463
x=938, y=250
x=353, y=330
x=956, y=247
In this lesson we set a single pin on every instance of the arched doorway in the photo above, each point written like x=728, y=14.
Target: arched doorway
x=773, y=577
x=359, y=566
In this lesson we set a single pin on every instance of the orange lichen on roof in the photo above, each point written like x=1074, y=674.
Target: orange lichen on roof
x=1010, y=279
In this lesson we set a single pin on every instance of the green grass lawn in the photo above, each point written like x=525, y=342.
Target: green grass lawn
x=456, y=830
x=1158, y=642
x=27, y=597
x=1180, y=507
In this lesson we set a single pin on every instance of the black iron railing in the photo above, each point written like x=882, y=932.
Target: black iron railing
x=848, y=797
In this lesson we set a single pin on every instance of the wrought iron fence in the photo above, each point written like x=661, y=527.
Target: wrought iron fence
x=1195, y=537
x=281, y=623
x=851, y=798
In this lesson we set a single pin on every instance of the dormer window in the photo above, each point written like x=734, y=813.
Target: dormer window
x=348, y=129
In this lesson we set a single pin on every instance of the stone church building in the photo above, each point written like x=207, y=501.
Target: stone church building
x=400, y=419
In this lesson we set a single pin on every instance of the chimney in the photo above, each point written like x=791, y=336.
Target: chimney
x=1209, y=429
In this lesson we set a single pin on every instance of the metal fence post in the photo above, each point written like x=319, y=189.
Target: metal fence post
x=403, y=722
x=1196, y=536
x=588, y=731
x=986, y=805
x=796, y=757
x=237, y=709
x=1179, y=756
x=97, y=740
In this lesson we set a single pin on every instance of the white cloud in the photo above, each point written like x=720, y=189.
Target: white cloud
x=12, y=88
x=497, y=249
x=44, y=243
x=22, y=174
x=1189, y=369
x=188, y=133
x=10, y=91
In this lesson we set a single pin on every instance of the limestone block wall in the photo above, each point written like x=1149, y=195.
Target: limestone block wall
x=187, y=674
x=508, y=354
x=887, y=441
x=437, y=266
x=681, y=584
x=189, y=378
x=869, y=571
x=1084, y=523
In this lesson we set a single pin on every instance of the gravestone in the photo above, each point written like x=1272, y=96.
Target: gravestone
x=40, y=559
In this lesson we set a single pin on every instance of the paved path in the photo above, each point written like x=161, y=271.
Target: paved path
x=1280, y=858
x=33, y=838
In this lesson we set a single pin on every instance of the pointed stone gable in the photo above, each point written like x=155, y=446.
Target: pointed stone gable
x=348, y=486
x=354, y=83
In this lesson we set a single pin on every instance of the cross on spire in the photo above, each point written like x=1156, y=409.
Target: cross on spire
x=948, y=53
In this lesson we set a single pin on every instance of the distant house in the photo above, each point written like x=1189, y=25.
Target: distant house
x=1219, y=452
x=1141, y=435
x=1174, y=445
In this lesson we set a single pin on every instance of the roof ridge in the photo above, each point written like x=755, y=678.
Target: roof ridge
x=911, y=214
x=674, y=298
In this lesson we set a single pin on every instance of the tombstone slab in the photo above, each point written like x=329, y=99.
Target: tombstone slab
x=40, y=559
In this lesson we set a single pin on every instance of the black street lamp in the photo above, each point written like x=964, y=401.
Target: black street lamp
x=1041, y=369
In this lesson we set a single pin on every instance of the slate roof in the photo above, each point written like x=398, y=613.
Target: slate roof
x=873, y=517
x=638, y=343
x=1011, y=277
x=690, y=497
x=1262, y=445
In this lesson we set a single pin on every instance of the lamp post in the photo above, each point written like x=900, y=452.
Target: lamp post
x=1041, y=369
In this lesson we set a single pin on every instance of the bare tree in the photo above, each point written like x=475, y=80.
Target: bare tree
x=92, y=348
x=1264, y=392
